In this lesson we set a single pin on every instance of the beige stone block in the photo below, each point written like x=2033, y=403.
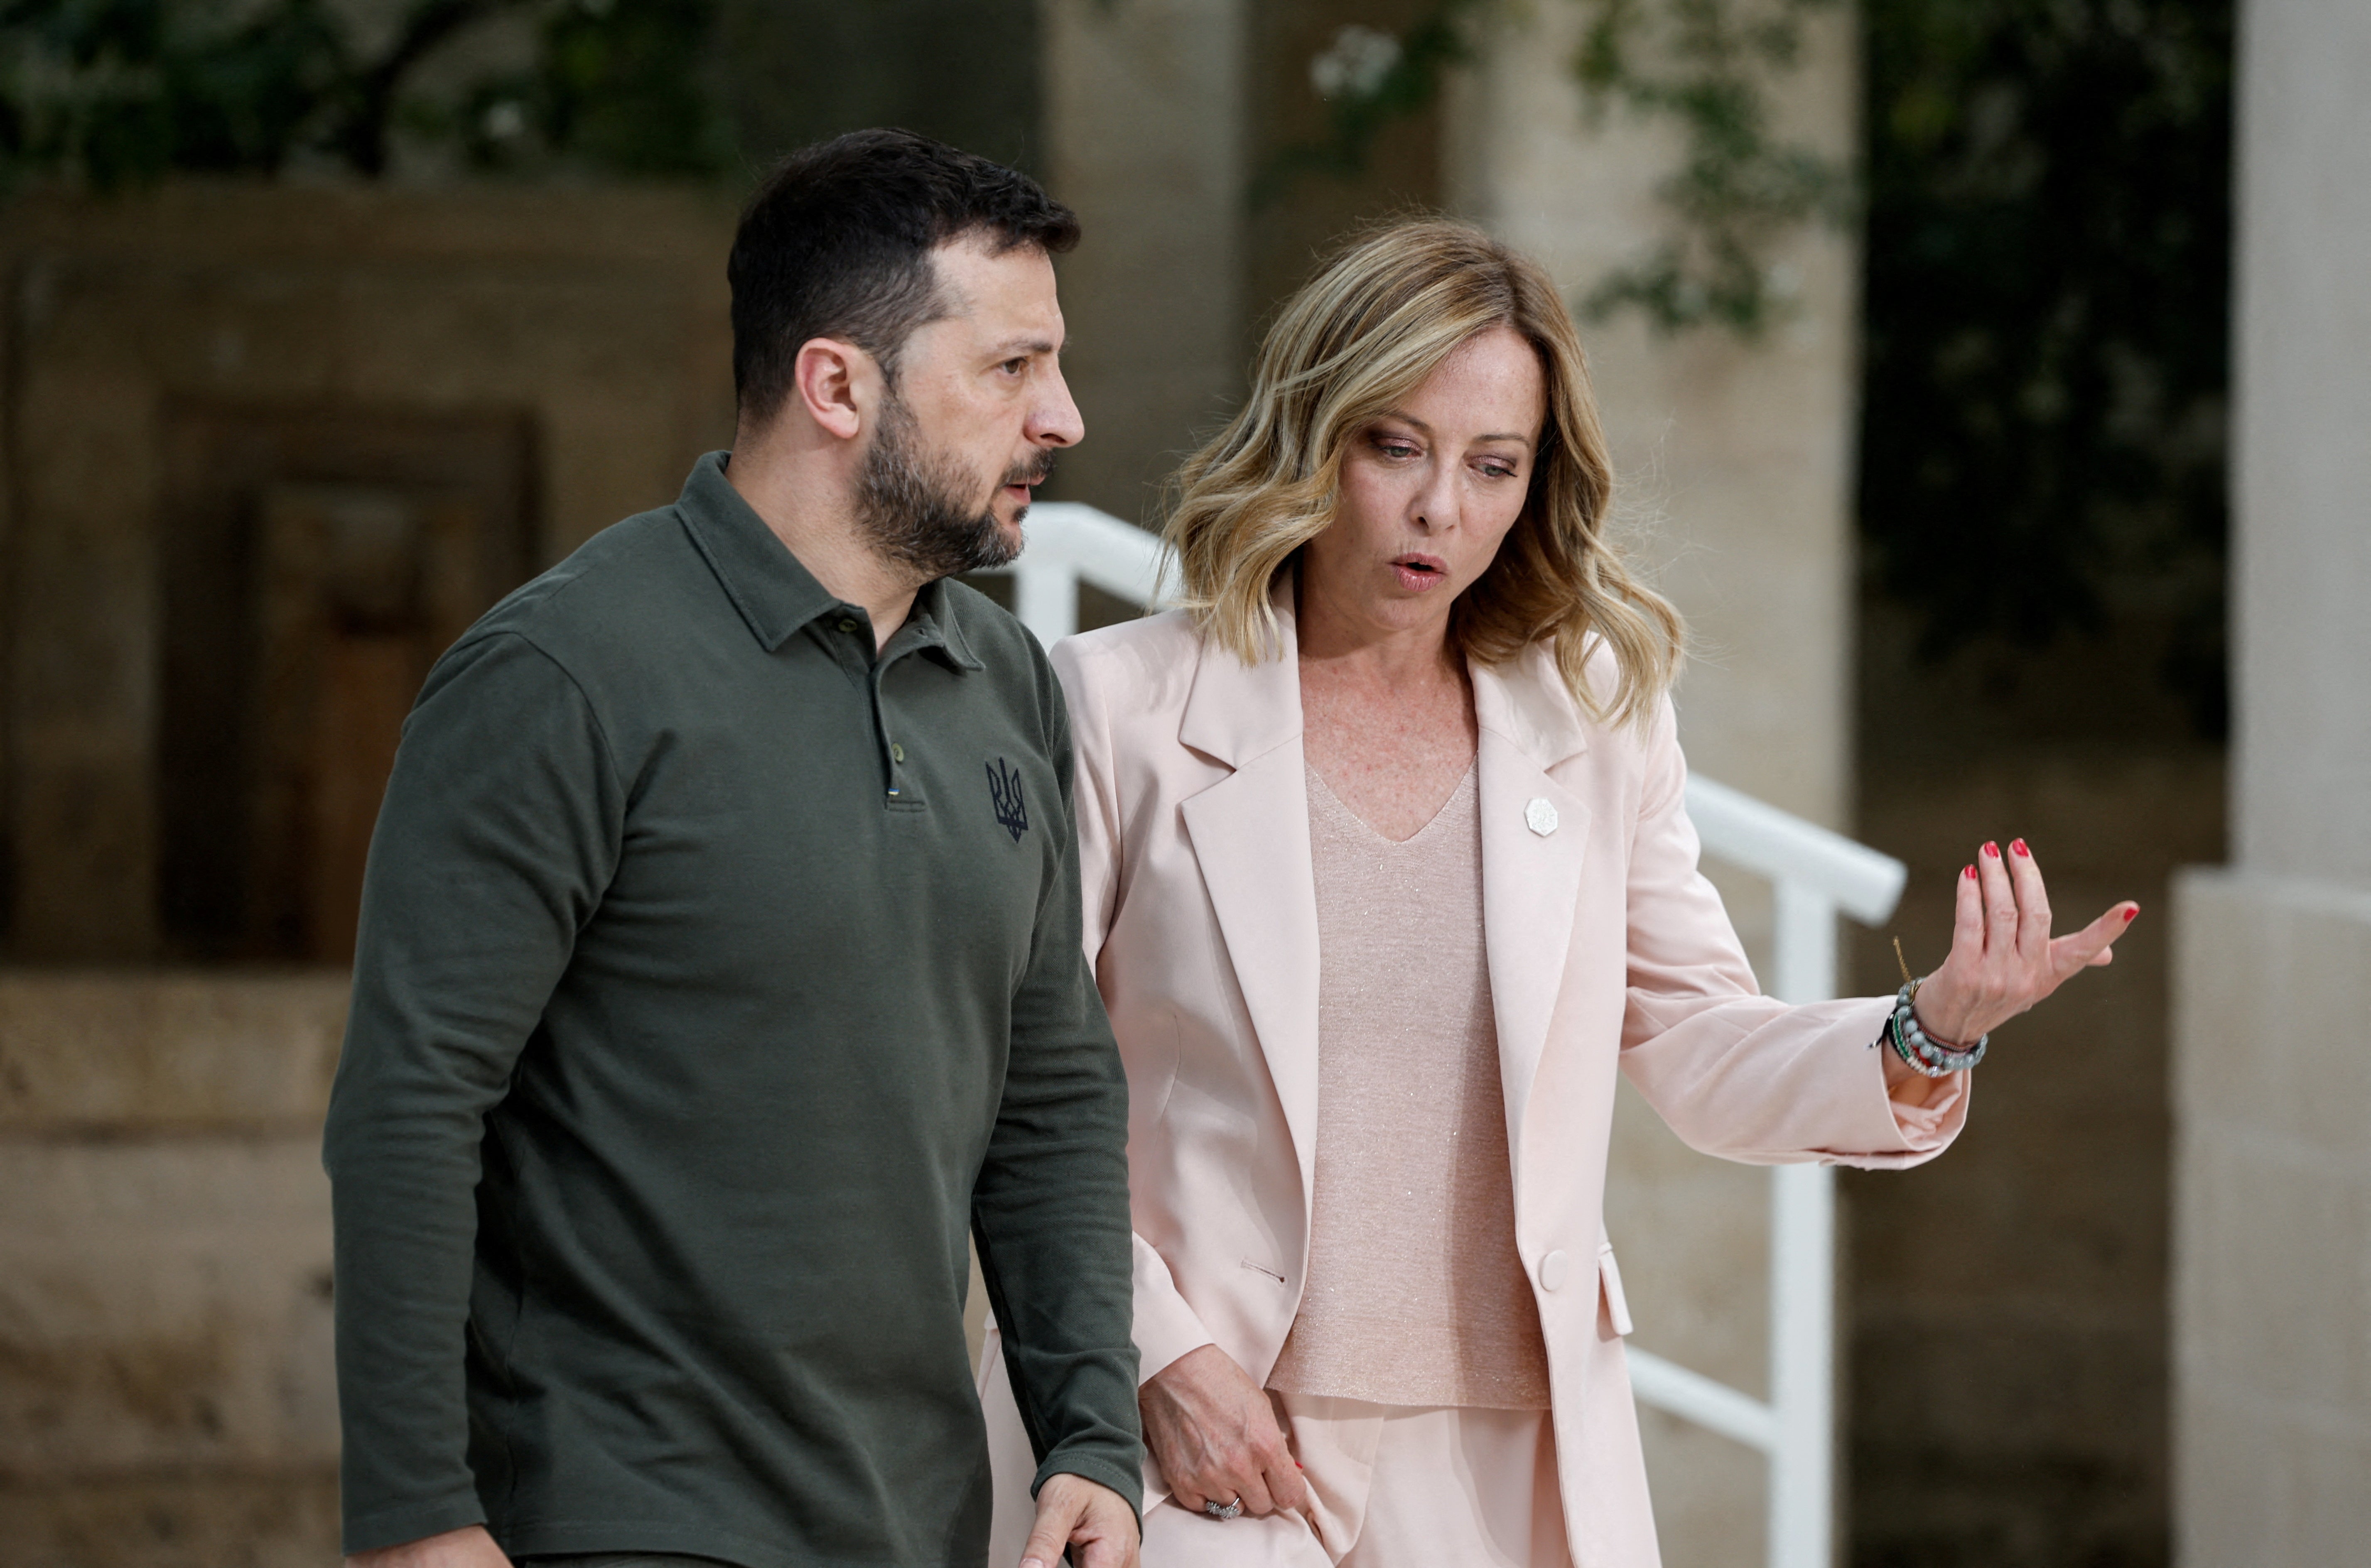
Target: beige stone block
x=2230, y=1502
x=165, y=1303
x=129, y=1051
x=2274, y=982
x=2273, y=1221
x=2325, y=1505
x=251, y=1519
x=2275, y=1246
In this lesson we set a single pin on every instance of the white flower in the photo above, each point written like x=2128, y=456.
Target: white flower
x=1356, y=62
x=505, y=120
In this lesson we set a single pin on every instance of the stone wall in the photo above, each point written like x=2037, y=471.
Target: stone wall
x=166, y=1392
x=595, y=321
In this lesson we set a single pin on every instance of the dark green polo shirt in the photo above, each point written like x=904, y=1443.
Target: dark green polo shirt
x=715, y=977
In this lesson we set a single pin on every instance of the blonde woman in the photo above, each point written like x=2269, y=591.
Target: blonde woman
x=1388, y=873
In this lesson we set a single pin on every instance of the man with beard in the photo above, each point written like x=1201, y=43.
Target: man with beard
x=720, y=970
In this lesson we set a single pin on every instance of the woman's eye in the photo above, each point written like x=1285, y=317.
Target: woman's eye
x=1395, y=449
x=1499, y=470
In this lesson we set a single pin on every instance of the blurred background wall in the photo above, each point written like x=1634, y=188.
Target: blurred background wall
x=323, y=325
x=2272, y=1153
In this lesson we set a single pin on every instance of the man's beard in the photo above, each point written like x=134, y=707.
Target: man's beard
x=915, y=505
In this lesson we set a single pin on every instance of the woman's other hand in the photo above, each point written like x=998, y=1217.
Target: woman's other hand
x=2003, y=957
x=1214, y=1434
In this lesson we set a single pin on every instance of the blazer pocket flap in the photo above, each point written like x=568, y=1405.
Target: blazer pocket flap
x=1609, y=1278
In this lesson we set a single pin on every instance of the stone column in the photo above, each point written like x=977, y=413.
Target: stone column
x=1144, y=137
x=2272, y=1296
x=1735, y=465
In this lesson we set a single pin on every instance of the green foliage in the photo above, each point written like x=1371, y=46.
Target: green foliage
x=112, y=93
x=622, y=85
x=1708, y=65
x=2042, y=437
x=122, y=90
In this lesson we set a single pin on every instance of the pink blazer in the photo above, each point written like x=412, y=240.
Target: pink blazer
x=1606, y=949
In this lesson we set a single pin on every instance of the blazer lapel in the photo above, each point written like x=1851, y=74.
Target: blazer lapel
x=1535, y=840
x=1250, y=832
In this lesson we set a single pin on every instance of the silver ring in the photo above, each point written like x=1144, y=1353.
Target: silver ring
x=1223, y=1510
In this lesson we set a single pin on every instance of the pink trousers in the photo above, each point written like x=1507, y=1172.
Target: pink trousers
x=1396, y=1486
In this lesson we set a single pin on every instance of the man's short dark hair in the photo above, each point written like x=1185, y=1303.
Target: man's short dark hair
x=836, y=244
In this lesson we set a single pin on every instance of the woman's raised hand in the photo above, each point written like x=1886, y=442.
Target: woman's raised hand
x=1214, y=1434
x=2003, y=957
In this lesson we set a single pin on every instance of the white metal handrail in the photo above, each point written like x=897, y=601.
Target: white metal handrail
x=1815, y=875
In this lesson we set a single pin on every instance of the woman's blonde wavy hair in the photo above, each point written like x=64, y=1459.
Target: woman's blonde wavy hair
x=1354, y=342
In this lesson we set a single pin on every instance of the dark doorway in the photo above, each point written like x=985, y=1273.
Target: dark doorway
x=315, y=562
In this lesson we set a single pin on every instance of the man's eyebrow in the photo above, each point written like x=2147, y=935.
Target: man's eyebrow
x=1012, y=346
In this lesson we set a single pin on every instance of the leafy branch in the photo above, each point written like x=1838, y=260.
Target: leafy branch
x=1706, y=65
x=1371, y=80
x=117, y=93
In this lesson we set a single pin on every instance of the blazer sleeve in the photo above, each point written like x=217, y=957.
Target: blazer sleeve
x=1736, y=1073
x=1167, y=1327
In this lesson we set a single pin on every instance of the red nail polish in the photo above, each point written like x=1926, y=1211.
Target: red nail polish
x=2018, y=845
x=1993, y=850
x=1968, y=871
x=2132, y=914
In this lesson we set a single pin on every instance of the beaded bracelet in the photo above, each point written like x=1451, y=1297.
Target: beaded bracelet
x=1921, y=1051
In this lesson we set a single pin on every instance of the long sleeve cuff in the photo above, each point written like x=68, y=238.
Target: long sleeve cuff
x=1166, y=1326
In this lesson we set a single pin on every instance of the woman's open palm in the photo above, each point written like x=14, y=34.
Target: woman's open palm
x=2003, y=957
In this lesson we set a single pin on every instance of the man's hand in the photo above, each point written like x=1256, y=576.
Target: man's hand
x=1214, y=1434
x=1074, y=1511
x=471, y=1547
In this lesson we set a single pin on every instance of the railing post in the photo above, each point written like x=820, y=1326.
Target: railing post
x=1802, y=1365
x=1803, y=1273
x=1046, y=597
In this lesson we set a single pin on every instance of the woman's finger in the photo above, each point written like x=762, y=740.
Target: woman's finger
x=2032, y=901
x=1287, y=1486
x=1968, y=920
x=1252, y=1487
x=2094, y=943
x=2000, y=904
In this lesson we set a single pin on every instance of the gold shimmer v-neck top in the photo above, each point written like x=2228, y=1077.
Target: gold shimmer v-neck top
x=1415, y=1293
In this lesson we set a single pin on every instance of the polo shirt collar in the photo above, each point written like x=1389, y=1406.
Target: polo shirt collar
x=938, y=624
x=775, y=594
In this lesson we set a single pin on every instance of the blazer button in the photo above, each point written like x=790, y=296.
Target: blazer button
x=1539, y=816
x=1554, y=1269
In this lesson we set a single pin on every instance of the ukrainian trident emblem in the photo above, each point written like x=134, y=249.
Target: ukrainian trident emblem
x=1004, y=794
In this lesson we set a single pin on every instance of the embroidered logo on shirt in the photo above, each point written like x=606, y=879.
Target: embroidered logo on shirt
x=1004, y=794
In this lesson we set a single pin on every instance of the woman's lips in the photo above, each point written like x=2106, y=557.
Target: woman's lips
x=1420, y=573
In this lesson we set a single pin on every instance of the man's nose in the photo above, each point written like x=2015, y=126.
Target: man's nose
x=1055, y=420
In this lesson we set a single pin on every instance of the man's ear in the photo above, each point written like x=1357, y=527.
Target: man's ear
x=838, y=384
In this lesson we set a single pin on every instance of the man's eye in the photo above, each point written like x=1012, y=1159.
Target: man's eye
x=1013, y=366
